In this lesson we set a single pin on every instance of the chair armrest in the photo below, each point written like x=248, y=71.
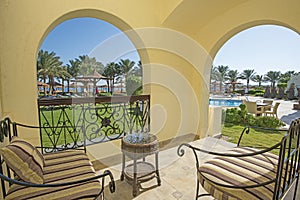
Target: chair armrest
x=181, y=152
x=248, y=128
x=102, y=176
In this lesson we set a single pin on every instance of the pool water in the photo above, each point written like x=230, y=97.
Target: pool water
x=225, y=102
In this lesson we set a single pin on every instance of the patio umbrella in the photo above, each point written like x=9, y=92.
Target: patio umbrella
x=39, y=83
x=42, y=84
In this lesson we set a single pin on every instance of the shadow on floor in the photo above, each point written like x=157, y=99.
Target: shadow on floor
x=290, y=117
x=124, y=190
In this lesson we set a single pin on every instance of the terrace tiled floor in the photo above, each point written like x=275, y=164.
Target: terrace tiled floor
x=178, y=174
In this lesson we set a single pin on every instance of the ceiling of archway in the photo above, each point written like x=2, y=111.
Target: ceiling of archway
x=199, y=13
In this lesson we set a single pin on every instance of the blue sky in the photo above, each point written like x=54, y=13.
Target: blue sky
x=81, y=36
x=262, y=48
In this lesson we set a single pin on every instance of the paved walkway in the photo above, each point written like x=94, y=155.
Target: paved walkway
x=285, y=110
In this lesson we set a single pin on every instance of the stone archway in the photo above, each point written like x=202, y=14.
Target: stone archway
x=210, y=24
x=235, y=30
x=101, y=15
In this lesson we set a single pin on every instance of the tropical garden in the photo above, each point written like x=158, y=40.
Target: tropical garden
x=51, y=71
x=236, y=119
x=271, y=85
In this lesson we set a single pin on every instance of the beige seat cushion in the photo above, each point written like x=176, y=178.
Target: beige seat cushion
x=61, y=167
x=24, y=159
x=239, y=171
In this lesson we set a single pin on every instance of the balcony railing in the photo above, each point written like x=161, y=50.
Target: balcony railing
x=77, y=122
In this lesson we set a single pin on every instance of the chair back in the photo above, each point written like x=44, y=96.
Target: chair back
x=251, y=107
x=276, y=107
x=289, y=161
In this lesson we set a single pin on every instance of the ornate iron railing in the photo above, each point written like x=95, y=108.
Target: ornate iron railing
x=76, y=122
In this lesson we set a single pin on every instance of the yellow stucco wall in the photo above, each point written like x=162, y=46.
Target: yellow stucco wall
x=179, y=39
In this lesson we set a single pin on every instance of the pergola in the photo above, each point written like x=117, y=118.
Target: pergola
x=93, y=78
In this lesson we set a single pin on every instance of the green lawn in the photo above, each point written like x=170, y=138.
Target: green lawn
x=256, y=138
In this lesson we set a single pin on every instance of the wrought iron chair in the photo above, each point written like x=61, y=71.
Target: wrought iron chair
x=26, y=174
x=250, y=173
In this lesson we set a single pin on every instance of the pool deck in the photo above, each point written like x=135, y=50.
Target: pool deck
x=285, y=110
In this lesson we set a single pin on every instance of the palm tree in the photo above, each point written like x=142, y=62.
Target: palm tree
x=248, y=74
x=273, y=77
x=138, y=70
x=46, y=62
x=284, y=78
x=258, y=78
x=214, y=73
x=73, y=69
x=88, y=65
x=126, y=67
x=54, y=72
x=111, y=71
x=233, y=76
x=221, y=74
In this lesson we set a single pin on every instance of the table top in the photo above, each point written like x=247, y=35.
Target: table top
x=262, y=104
x=137, y=145
x=139, y=138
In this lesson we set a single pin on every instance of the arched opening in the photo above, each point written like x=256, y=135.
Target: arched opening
x=88, y=57
x=261, y=49
x=255, y=65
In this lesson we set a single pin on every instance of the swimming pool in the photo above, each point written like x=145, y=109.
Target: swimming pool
x=225, y=102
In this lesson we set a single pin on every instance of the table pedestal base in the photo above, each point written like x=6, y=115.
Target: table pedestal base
x=139, y=172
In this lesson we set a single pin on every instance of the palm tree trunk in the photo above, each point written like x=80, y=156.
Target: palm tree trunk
x=68, y=83
x=108, y=85
x=112, y=86
x=51, y=81
x=63, y=85
x=220, y=87
x=44, y=85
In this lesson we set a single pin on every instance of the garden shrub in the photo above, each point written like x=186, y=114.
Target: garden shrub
x=251, y=92
x=259, y=94
x=241, y=117
x=106, y=94
x=268, y=122
x=283, y=85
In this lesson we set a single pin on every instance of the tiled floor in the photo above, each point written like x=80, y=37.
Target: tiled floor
x=178, y=174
